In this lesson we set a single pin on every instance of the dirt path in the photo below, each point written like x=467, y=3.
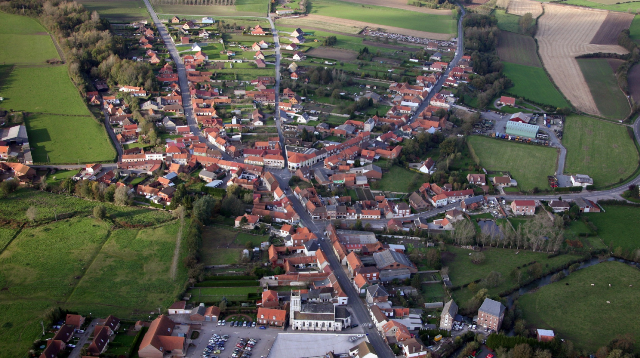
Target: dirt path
x=176, y=252
x=60, y=53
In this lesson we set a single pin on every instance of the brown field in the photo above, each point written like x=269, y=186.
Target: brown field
x=565, y=32
x=330, y=21
x=475, y=3
x=634, y=82
x=521, y=7
x=401, y=4
x=332, y=54
x=610, y=29
x=519, y=49
x=614, y=63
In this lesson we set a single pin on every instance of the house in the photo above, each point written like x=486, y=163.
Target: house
x=448, y=315
x=412, y=349
x=202, y=313
x=363, y=350
x=207, y=20
x=178, y=308
x=175, y=20
x=258, y=31
x=507, y=101
x=260, y=63
x=53, y=348
x=472, y=203
x=353, y=263
x=477, y=179
x=490, y=314
x=163, y=337
x=504, y=180
x=559, y=206
x=429, y=166
x=272, y=317
x=270, y=299
x=417, y=202
x=523, y=207
x=252, y=221
x=297, y=32
x=581, y=180
x=587, y=206
x=74, y=320
x=545, y=335
x=395, y=332
x=376, y=294
x=298, y=56
x=65, y=333
x=100, y=341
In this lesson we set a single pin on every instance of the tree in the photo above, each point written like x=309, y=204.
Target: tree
x=32, y=214
x=232, y=206
x=416, y=281
x=477, y=258
x=223, y=304
x=232, y=190
x=99, y=212
x=249, y=245
x=525, y=23
x=493, y=279
x=203, y=207
x=463, y=232
x=121, y=196
x=522, y=351
x=179, y=212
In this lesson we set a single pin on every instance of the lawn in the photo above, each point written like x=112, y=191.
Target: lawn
x=385, y=16
x=118, y=10
x=50, y=137
x=222, y=246
x=600, y=149
x=528, y=164
x=618, y=226
x=533, y=84
x=215, y=294
x=507, y=22
x=400, y=179
x=6, y=234
x=611, y=102
x=462, y=271
x=345, y=42
x=572, y=307
x=242, y=238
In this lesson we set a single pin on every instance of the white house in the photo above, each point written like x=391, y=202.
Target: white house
x=429, y=166
x=581, y=180
x=196, y=48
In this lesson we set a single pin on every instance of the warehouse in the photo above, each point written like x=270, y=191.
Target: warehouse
x=521, y=129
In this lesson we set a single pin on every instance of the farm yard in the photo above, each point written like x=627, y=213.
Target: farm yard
x=603, y=296
x=118, y=10
x=518, y=49
x=532, y=83
x=600, y=76
x=521, y=7
x=563, y=33
x=600, y=149
x=529, y=165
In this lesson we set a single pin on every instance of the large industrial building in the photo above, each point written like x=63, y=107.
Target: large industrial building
x=522, y=129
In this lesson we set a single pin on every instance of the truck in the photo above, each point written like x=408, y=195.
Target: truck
x=437, y=338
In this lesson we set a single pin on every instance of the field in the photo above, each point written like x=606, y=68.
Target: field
x=223, y=246
x=528, y=164
x=633, y=79
x=618, y=226
x=563, y=33
x=401, y=4
x=572, y=307
x=634, y=29
x=6, y=234
x=332, y=54
x=215, y=294
x=610, y=100
x=29, y=42
x=532, y=83
x=400, y=179
x=507, y=22
x=518, y=49
x=385, y=16
x=610, y=29
x=462, y=271
x=242, y=8
x=521, y=7
x=118, y=10
x=81, y=264
x=600, y=149
x=611, y=5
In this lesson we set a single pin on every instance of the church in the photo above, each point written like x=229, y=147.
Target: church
x=317, y=316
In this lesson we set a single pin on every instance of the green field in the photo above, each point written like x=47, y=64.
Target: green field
x=600, y=149
x=634, y=29
x=81, y=264
x=223, y=246
x=611, y=5
x=242, y=8
x=118, y=10
x=400, y=179
x=6, y=234
x=572, y=307
x=618, y=226
x=385, y=16
x=529, y=165
x=28, y=41
x=611, y=101
x=215, y=294
x=532, y=83
x=508, y=22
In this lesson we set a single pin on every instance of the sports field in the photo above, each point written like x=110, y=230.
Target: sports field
x=618, y=226
x=598, y=148
x=532, y=83
x=603, y=296
x=385, y=16
x=118, y=10
x=528, y=164
x=24, y=41
x=610, y=100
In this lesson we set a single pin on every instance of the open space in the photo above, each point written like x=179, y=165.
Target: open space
x=533, y=84
x=610, y=29
x=507, y=22
x=611, y=5
x=292, y=345
x=518, y=49
x=618, y=226
x=241, y=8
x=118, y=10
x=528, y=164
x=223, y=246
x=603, y=296
x=402, y=4
x=610, y=100
x=521, y=7
x=332, y=54
x=24, y=41
x=400, y=179
x=600, y=149
x=633, y=81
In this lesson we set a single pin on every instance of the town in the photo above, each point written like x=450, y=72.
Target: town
x=318, y=178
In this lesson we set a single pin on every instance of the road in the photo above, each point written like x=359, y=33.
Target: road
x=276, y=44
x=112, y=134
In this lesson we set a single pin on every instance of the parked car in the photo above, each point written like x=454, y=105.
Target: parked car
x=263, y=327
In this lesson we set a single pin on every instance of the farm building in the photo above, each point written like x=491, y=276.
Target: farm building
x=522, y=129
x=507, y=101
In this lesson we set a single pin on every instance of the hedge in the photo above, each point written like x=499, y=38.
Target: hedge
x=230, y=278
x=223, y=283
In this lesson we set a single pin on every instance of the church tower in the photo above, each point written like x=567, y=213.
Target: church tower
x=295, y=306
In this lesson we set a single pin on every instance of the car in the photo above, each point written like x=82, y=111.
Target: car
x=489, y=355
x=253, y=324
x=244, y=323
x=71, y=345
x=263, y=327
x=354, y=325
x=79, y=331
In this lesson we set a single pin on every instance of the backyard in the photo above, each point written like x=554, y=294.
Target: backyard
x=400, y=179
x=600, y=149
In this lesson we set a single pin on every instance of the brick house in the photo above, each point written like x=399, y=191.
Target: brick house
x=272, y=317
x=523, y=207
x=490, y=314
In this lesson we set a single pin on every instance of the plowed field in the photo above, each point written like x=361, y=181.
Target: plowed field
x=610, y=29
x=521, y=7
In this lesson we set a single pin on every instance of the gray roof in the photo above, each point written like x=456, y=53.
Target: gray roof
x=318, y=308
x=377, y=291
x=388, y=257
x=451, y=308
x=199, y=310
x=312, y=245
x=492, y=307
x=342, y=312
x=474, y=199
x=15, y=133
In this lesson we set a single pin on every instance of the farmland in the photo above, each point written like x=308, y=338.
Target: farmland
x=118, y=10
x=618, y=226
x=633, y=79
x=610, y=29
x=242, y=8
x=573, y=306
x=400, y=4
x=507, y=22
x=528, y=164
x=599, y=149
x=562, y=35
x=518, y=49
x=81, y=264
x=532, y=83
x=521, y=7
x=24, y=35
x=611, y=5
x=610, y=100
x=634, y=29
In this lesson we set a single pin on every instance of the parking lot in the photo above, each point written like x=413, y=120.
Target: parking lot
x=264, y=339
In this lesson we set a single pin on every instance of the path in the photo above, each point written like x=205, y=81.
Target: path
x=112, y=134
x=176, y=251
x=60, y=53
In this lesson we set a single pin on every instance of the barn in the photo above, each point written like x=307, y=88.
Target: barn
x=521, y=129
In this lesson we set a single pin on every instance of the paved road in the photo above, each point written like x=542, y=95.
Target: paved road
x=88, y=332
x=112, y=134
x=276, y=44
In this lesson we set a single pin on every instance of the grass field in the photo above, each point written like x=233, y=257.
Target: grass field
x=385, y=16
x=463, y=271
x=29, y=42
x=507, y=22
x=222, y=246
x=528, y=164
x=532, y=83
x=607, y=5
x=611, y=102
x=618, y=226
x=572, y=307
x=118, y=10
x=342, y=41
x=400, y=179
x=518, y=49
x=49, y=137
x=215, y=294
x=598, y=148
x=6, y=234
x=242, y=8
x=634, y=29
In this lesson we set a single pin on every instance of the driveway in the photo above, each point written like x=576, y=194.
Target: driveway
x=75, y=353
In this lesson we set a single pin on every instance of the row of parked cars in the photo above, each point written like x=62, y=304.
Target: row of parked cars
x=237, y=323
x=243, y=348
x=215, y=346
